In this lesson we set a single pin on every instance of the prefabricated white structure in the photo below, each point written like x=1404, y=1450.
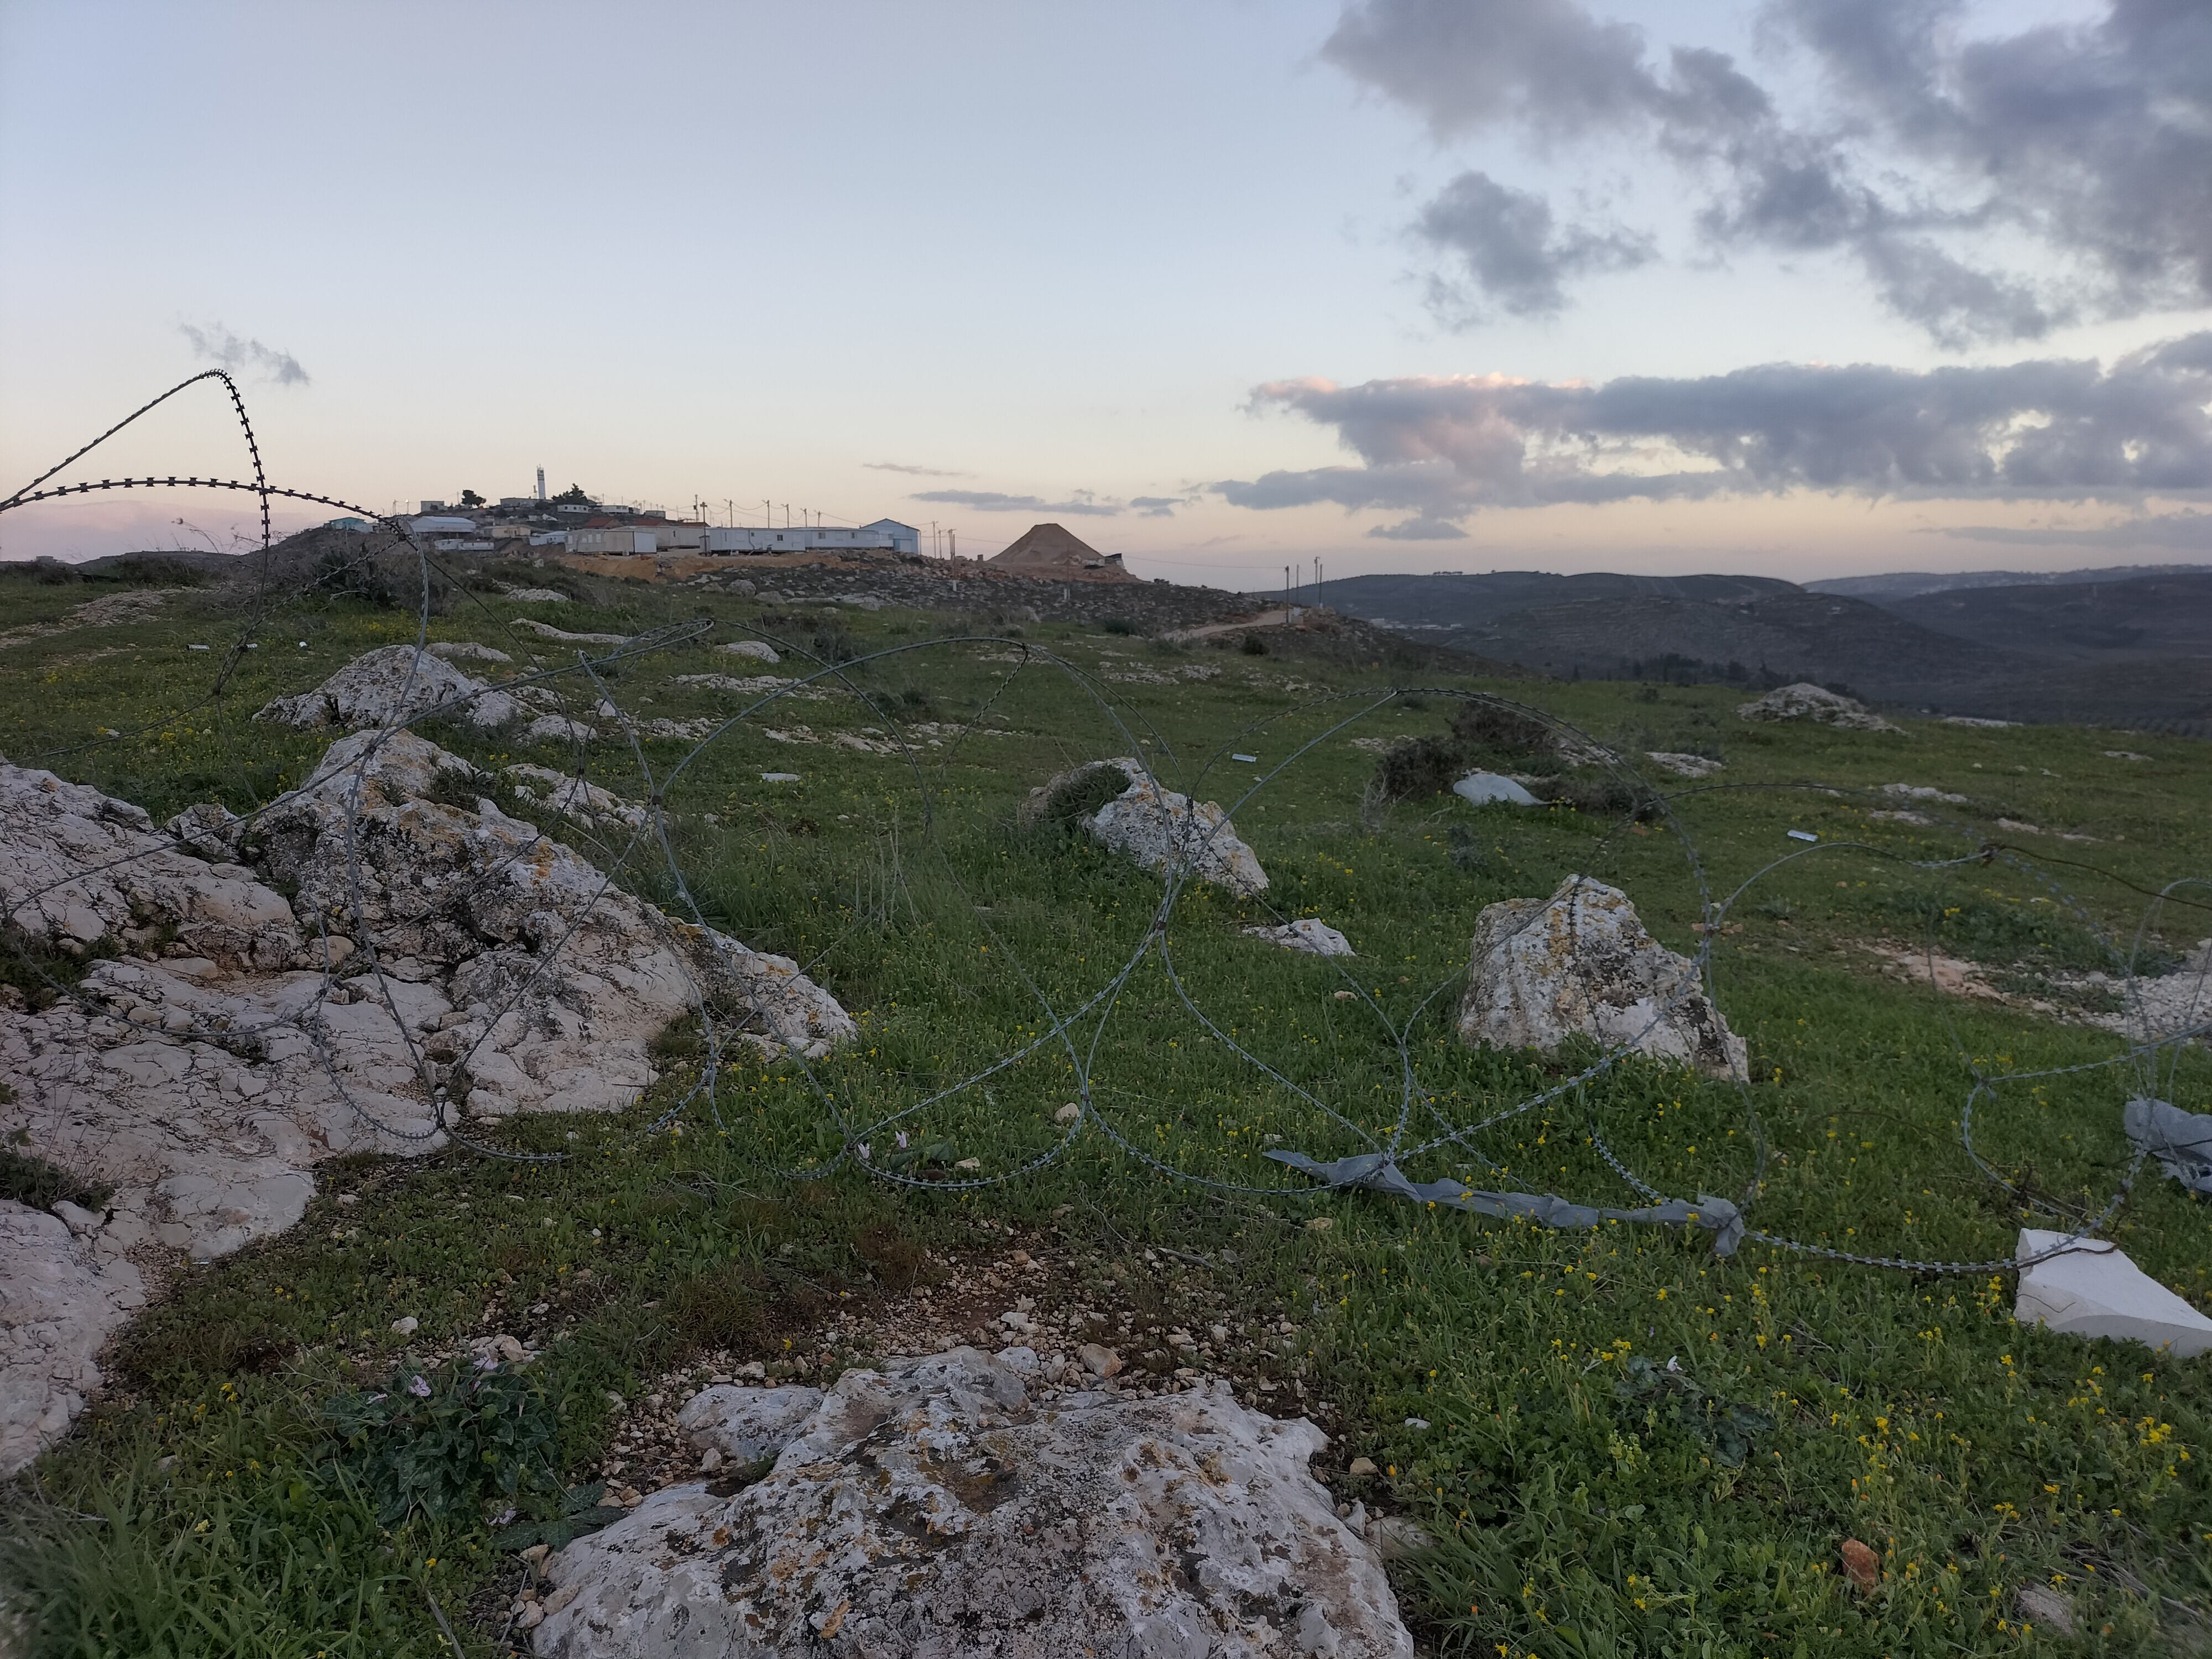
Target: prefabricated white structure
x=905, y=538
x=442, y=524
x=622, y=540
x=798, y=538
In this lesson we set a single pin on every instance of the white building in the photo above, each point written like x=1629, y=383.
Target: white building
x=905, y=538
x=799, y=538
x=622, y=540
x=442, y=524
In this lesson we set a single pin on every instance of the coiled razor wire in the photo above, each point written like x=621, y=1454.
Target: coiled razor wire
x=1419, y=1128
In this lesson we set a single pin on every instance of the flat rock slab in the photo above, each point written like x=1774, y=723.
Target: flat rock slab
x=1315, y=938
x=2094, y=1290
x=931, y=1512
x=1581, y=963
x=59, y=1302
x=747, y=1424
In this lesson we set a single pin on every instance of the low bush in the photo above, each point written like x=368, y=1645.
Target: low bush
x=443, y=1441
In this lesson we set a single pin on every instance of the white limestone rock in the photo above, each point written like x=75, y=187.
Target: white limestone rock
x=76, y=866
x=1684, y=766
x=559, y=728
x=758, y=650
x=204, y=1089
x=1160, y=829
x=747, y=1424
x=468, y=651
x=585, y=803
x=1313, y=937
x=2093, y=1290
x=393, y=686
x=932, y=1509
x=1806, y=702
x=59, y=1303
x=1580, y=963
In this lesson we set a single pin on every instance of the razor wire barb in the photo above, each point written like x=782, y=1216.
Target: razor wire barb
x=1078, y=1032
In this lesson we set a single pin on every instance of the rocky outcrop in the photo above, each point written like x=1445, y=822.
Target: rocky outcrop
x=1580, y=963
x=583, y=802
x=392, y=687
x=933, y=1509
x=61, y=1297
x=1308, y=934
x=1806, y=702
x=435, y=960
x=1162, y=831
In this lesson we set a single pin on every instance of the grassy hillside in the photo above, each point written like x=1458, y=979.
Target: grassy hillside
x=1587, y=1495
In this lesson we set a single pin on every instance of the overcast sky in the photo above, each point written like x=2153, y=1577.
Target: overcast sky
x=1805, y=287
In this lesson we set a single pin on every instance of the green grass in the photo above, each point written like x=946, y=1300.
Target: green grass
x=1581, y=1507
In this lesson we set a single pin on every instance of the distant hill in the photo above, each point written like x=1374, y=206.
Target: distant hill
x=1904, y=584
x=1449, y=601
x=2135, y=652
x=2130, y=619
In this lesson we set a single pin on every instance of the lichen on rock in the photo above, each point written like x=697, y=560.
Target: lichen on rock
x=933, y=1509
x=1580, y=963
x=1164, y=831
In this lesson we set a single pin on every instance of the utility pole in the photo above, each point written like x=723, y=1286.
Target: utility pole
x=1287, y=596
x=955, y=535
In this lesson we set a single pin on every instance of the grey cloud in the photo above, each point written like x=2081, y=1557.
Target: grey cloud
x=2084, y=150
x=1160, y=506
x=2191, y=532
x=1083, y=504
x=1420, y=530
x=220, y=346
x=2066, y=428
x=1512, y=252
x=1465, y=64
x=914, y=471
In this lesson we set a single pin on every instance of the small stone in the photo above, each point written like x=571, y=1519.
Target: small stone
x=1320, y=1224
x=1306, y=935
x=1360, y=1466
x=1862, y=1564
x=536, y=1554
x=1067, y=1113
x=531, y=1616
x=630, y=1497
x=969, y=1164
x=2044, y=1605
x=709, y=1461
x=349, y=1198
x=1100, y=1362
x=1417, y=1422
x=82, y=1222
x=406, y=1325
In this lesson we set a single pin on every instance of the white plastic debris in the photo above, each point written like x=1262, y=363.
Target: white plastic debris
x=778, y=777
x=2093, y=1290
x=1482, y=788
x=1800, y=835
x=1244, y=757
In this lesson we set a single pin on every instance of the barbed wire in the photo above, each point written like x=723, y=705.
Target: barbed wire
x=1076, y=1033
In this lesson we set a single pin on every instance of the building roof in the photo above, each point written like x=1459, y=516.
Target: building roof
x=1050, y=549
